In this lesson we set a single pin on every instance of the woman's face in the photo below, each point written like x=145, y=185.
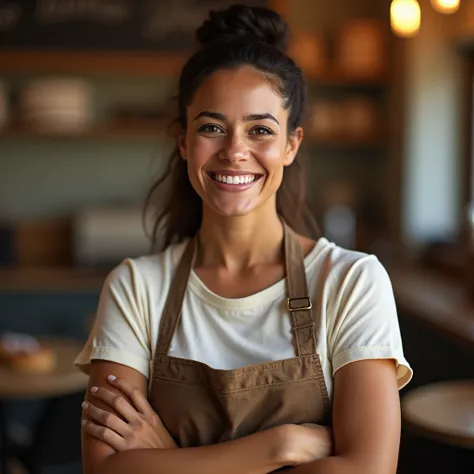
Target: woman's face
x=236, y=143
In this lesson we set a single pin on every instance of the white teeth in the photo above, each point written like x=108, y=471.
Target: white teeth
x=243, y=179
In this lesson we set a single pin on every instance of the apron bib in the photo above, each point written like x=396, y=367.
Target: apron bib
x=200, y=405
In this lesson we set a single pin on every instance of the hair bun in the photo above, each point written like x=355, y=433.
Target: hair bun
x=242, y=21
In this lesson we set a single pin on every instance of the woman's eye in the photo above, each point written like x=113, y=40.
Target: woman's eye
x=210, y=128
x=261, y=131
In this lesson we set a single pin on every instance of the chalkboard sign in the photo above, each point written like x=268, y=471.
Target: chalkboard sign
x=115, y=25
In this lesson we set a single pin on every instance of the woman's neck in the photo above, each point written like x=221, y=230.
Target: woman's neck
x=238, y=243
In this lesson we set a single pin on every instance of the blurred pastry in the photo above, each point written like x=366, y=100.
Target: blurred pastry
x=24, y=353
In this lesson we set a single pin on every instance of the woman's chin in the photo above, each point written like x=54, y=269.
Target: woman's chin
x=228, y=210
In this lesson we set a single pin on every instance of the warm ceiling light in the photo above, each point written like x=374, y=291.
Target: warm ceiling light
x=446, y=6
x=405, y=17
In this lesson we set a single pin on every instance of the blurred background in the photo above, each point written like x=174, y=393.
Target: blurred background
x=85, y=103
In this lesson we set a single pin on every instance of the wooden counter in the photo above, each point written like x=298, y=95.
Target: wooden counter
x=435, y=300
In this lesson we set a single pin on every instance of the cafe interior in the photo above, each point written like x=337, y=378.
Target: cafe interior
x=86, y=99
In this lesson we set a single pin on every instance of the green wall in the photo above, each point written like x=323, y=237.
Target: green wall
x=44, y=176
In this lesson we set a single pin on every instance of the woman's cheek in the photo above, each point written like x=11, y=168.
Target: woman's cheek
x=195, y=173
x=203, y=149
x=270, y=154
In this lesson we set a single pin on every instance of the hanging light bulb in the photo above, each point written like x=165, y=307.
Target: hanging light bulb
x=405, y=17
x=446, y=6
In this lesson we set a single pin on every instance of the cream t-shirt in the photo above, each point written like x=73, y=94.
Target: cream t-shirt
x=351, y=292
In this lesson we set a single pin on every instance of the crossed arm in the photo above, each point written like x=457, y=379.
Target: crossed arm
x=366, y=429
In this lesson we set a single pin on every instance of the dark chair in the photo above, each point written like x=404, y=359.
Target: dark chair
x=56, y=438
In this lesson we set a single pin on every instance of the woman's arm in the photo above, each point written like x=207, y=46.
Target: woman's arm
x=255, y=454
x=366, y=421
x=250, y=455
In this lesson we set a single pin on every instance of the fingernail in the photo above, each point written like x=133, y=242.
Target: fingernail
x=83, y=422
x=85, y=405
x=111, y=378
x=94, y=389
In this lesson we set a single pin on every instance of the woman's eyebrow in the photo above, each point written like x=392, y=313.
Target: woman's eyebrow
x=254, y=117
x=214, y=115
x=247, y=118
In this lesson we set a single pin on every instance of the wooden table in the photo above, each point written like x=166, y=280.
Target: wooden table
x=443, y=411
x=436, y=301
x=63, y=380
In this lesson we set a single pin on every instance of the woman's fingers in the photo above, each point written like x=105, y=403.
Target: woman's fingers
x=134, y=394
x=104, y=434
x=105, y=418
x=147, y=414
x=116, y=401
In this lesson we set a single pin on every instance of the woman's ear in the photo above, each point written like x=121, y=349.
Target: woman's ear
x=294, y=141
x=182, y=145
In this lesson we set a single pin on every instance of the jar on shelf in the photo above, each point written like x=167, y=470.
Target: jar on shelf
x=308, y=50
x=4, y=105
x=55, y=104
x=360, y=118
x=327, y=119
x=361, y=48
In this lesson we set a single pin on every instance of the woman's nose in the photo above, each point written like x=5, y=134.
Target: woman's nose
x=235, y=149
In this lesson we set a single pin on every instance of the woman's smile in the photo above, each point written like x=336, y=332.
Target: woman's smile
x=234, y=181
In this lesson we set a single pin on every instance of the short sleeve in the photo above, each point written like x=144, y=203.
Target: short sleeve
x=366, y=325
x=120, y=330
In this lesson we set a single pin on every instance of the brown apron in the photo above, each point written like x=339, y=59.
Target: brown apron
x=200, y=405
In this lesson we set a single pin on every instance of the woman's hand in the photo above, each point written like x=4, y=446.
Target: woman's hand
x=136, y=427
x=304, y=443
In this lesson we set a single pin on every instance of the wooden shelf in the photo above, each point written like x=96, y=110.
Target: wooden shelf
x=137, y=130
x=346, y=142
x=91, y=62
x=340, y=78
x=97, y=63
x=50, y=279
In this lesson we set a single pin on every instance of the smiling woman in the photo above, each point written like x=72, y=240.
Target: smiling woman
x=235, y=132
x=242, y=59
x=243, y=345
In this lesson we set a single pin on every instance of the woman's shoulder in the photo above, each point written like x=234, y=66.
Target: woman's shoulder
x=145, y=269
x=339, y=265
x=333, y=255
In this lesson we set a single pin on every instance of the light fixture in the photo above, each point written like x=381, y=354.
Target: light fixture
x=446, y=6
x=405, y=17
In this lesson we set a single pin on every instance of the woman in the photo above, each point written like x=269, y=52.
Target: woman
x=236, y=347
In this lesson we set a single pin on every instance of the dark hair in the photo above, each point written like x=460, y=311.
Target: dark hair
x=238, y=36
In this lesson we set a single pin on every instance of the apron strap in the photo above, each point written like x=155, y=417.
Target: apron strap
x=298, y=302
x=174, y=303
